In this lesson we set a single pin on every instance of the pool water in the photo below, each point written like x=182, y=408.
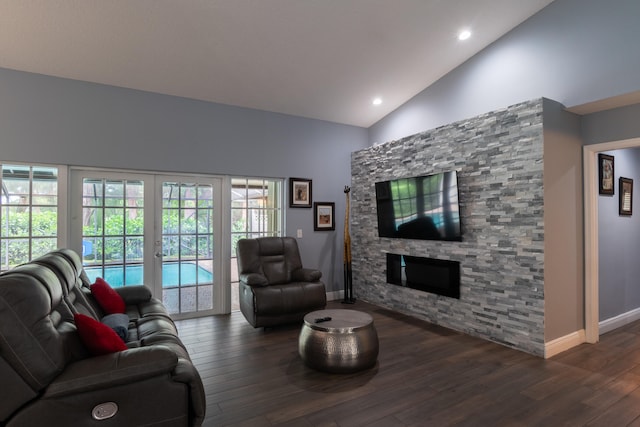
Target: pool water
x=172, y=272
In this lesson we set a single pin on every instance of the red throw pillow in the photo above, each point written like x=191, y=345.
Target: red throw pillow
x=97, y=337
x=110, y=301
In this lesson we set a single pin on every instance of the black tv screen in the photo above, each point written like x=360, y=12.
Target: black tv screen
x=422, y=207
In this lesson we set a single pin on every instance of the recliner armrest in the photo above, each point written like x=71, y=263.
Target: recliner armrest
x=134, y=294
x=113, y=369
x=254, y=279
x=306, y=275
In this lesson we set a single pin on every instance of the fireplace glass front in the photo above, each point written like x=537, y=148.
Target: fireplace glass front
x=437, y=276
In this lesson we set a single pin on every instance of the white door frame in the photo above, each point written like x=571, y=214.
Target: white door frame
x=591, y=285
x=222, y=295
x=76, y=177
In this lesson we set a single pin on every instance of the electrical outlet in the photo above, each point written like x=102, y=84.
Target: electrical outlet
x=299, y=233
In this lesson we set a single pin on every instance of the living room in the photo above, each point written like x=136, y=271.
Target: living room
x=575, y=54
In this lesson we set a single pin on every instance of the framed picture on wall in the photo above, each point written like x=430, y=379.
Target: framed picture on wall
x=605, y=174
x=324, y=216
x=299, y=193
x=626, y=196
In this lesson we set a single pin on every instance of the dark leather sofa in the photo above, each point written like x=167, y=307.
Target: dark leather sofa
x=48, y=377
x=274, y=287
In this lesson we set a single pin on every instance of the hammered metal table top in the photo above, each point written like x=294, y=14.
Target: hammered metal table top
x=342, y=321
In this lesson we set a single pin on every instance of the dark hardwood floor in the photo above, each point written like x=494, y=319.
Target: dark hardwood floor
x=426, y=376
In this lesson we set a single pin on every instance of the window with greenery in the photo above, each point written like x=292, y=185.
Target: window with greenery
x=256, y=211
x=188, y=246
x=113, y=230
x=28, y=213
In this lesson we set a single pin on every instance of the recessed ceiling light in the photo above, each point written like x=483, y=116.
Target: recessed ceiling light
x=464, y=34
x=377, y=101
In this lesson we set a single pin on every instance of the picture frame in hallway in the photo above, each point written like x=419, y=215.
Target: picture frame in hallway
x=626, y=196
x=606, y=174
x=324, y=214
x=300, y=195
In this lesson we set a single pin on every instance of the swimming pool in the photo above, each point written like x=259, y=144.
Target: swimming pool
x=189, y=272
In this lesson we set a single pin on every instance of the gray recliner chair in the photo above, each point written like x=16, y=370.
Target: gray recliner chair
x=274, y=287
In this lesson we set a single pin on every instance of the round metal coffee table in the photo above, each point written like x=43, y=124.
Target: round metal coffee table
x=338, y=341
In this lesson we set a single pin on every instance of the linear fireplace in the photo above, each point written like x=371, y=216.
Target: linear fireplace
x=437, y=276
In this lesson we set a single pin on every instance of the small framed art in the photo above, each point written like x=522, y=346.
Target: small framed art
x=605, y=174
x=299, y=193
x=324, y=216
x=626, y=196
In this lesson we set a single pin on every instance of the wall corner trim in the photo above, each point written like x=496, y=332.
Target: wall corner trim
x=557, y=346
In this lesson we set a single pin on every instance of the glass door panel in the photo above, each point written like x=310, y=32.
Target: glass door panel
x=187, y=250
x=113, y=230
x=256, y=211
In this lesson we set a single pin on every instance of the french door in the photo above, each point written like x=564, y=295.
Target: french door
x=187, y=220
x=157, y=230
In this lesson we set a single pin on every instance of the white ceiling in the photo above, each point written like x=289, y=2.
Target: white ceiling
x=322, y=59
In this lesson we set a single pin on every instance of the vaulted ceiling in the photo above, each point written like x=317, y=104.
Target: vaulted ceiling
x=322, y=59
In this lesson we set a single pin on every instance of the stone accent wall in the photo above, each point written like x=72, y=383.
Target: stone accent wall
x=499, y=159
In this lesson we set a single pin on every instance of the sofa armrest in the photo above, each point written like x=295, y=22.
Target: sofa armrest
x=187, y=373
x=254, y=279
x=306, y=275
x=113, y=369
x=133, y=295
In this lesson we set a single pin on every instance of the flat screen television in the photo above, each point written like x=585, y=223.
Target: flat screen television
x=422, y=207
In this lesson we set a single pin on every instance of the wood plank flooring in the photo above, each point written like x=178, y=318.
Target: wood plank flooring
x=425, y=376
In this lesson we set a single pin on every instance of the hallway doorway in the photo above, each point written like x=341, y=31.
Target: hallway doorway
x=591, y=294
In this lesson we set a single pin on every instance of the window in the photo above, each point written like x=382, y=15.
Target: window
x=256, y=211
x=28, y=213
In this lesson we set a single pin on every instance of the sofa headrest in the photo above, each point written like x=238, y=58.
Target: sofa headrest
x=72, y=256
x=66, y=264
x=47, y=279
x=270, y=246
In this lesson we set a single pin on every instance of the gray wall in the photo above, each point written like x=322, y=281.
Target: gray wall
x=612, y=125
x=499, y=159
x=619, y=242
x=573, y=51
x=51, y=120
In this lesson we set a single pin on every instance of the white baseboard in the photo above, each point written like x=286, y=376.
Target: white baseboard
x=576, y=338
x=618, y=321
x=334, y=295
x=564, y=343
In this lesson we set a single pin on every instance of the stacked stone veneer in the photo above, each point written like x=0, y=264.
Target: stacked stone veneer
x=499, y=159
